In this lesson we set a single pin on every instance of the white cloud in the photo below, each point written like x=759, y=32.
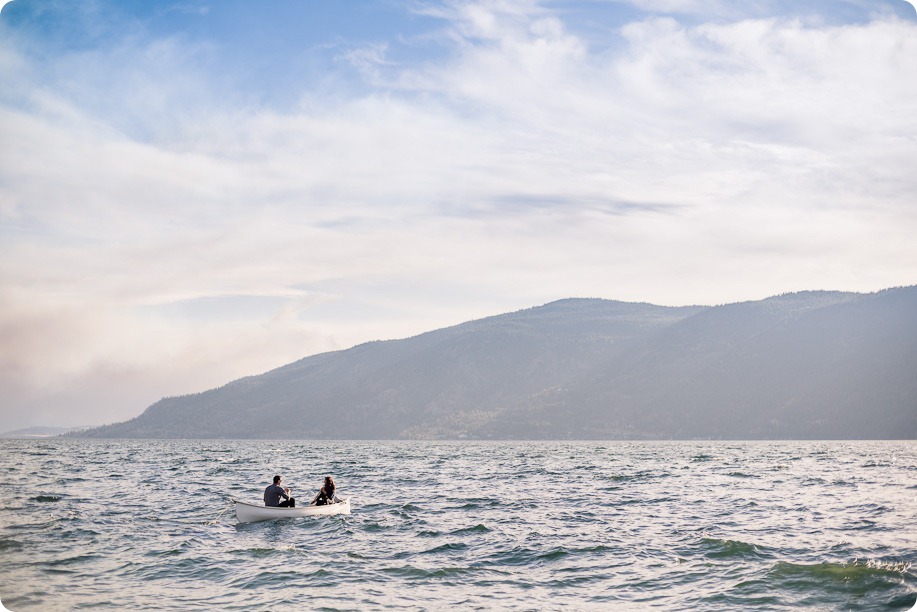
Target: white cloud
x=689, y=164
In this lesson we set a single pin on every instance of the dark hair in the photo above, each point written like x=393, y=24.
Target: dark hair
x=276, y=479
x=329, y=481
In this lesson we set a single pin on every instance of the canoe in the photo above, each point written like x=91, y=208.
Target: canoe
x=251, y=513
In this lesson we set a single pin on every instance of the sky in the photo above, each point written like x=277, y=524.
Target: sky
x=193, y=191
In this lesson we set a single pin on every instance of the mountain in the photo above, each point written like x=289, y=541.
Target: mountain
x=802, y=365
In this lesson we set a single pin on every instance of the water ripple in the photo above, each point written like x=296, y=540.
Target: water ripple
x=703, y=525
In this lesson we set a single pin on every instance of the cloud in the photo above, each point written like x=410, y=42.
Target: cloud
x=163, y=235
x=813, y=12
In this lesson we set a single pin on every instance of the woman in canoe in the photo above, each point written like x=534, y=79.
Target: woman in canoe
x=326, y=493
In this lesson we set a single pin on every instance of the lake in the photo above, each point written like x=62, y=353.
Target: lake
x=508, y=525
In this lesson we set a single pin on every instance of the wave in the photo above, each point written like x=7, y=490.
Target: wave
x=6, y=545
x=639, y=476
x=257, y=553
x=523, y=556
x=842, y=572
x=732, y=549
x=479, y=528
x=446, y=548
x=72, y=560
x=854, y=579
x=374, y=527
x=419, y=573
x=475, y=504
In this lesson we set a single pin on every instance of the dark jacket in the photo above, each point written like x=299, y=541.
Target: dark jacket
x=272, y=495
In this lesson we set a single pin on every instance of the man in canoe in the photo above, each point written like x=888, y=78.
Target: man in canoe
x=274, y=492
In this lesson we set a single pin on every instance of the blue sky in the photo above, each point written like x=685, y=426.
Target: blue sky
x=195, y=191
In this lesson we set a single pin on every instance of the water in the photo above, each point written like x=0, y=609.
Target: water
x=525, y=525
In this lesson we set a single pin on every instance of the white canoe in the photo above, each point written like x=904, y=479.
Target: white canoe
x=251, y=513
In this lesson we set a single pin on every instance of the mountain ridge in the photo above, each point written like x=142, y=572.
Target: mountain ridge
x=815, y=364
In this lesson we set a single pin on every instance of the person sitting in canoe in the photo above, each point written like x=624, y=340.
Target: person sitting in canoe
x=274, y=492
x=326, y=494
